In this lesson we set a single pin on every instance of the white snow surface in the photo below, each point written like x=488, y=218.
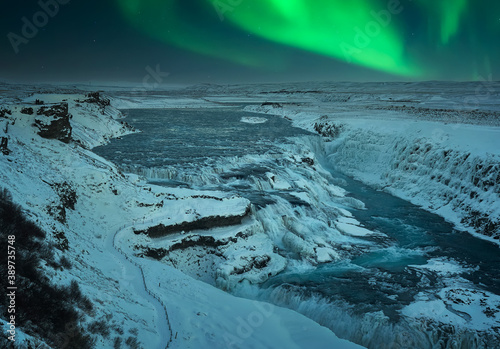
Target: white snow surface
x=253, y=120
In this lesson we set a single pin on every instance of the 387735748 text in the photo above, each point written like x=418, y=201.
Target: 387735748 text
x=11, y=286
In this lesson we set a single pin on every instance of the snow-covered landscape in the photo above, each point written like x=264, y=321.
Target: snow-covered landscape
x=311, y=215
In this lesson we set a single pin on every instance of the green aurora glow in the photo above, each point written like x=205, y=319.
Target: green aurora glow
x=450, y=14
x=346, y=30
x=361, y=32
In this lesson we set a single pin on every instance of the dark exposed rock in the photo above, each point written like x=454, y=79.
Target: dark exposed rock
x=256, y=262
x=192, y=241
x=155, y=253
x=483, y=224
x=142, y=204
x=272, y=104
x=207, y=242
x=53, y=122
x=4, y=146
x=27, y=111
x=4, y=112
x=58, y=212
x=326, y=129
x=68, y=198
x=206, y=197
x=97, y=98
x=62, y=240
x=67, y=194
x=59, y=109
x=486, y=176
x=308, y=161
x=200, y=224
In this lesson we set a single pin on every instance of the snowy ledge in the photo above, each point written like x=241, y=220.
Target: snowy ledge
x=233, y=217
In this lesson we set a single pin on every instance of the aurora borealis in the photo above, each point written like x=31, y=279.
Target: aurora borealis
x=271, y=39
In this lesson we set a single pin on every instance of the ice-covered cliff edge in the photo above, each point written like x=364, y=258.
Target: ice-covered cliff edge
x=450, y=166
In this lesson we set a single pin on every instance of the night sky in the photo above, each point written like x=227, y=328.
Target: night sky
x=238, y=41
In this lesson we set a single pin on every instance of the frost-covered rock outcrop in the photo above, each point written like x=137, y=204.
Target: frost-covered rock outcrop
x=440, y=174
x=53, y=122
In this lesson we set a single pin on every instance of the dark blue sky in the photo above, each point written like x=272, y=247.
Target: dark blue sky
x=101, y=41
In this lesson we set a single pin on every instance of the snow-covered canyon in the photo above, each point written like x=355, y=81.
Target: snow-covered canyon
x=49, y=137
x=449, y=168
x=280, y=224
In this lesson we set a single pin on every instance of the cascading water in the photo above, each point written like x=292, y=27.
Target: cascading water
x=389, y=282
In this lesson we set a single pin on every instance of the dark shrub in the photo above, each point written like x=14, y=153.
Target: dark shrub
x=49, y=312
